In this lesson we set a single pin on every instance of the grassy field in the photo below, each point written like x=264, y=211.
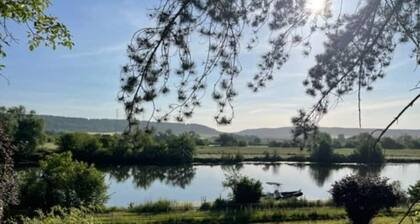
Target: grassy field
x=328, y=215
x=260, y=151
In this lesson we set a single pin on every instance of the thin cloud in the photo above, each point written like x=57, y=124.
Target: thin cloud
x=99, y=51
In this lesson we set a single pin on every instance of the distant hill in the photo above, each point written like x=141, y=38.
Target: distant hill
x=284, y=133
x=71, y=124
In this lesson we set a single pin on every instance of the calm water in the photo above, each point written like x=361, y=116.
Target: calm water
x=196, y=183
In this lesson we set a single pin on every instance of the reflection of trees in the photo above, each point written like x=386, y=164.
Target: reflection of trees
x=144, y=176
x=180, y=176
x=232, y=168
x=368, y=170
x=321, y=173
x=119, y=173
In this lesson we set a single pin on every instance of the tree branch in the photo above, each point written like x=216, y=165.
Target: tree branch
x=396, y=118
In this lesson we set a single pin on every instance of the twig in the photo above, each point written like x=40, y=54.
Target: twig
x=396, y=118
x=408, y=211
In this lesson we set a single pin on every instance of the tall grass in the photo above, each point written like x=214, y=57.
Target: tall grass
x=160, y=206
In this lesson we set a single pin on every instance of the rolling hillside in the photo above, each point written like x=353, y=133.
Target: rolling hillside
x=71, y=124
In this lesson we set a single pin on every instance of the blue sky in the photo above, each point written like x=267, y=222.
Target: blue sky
x=84, y=81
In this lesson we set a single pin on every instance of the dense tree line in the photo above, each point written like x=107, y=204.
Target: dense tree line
x=138, y=147
x=226, y=139
x=340, y=141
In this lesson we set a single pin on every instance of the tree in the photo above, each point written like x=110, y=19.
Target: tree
x=363, y=197
x=227, y=140
x=60, y=181
x=367, y=151
x=322, y=153
x=358, y=48
x=41, y=28
x=390, y=143
x=81, y=145
x=245, y=190
x=25, y=129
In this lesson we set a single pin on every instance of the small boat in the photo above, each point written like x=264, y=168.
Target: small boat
x=282, y=194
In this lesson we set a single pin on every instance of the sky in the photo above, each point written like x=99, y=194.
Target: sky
x=84, y=81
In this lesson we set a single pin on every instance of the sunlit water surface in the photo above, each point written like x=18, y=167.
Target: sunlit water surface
x=203, y=182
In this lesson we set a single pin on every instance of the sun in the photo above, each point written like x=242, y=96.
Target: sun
x=316, y=6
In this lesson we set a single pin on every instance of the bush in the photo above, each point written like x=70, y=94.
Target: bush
x=181, y=149
x=390, y=143
x=82, y=145
x=363, y=197
x=323, y=153
x=160, y=206
x=242, y=143
x=414, y=192
x=58, y=215
x=366, y=152
x=60, y=181
x=25, y=129
x=245, y=190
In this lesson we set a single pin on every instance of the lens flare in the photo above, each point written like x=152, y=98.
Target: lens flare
x=316, y=6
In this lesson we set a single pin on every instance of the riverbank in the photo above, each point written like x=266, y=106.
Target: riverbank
x=214, y=155
x=293, y=214
x=223, y=155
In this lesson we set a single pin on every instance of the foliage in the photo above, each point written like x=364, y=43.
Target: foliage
x=414, y=192
x=82, y=145
x=390, y=143
x=227, y=140
x=323, y=152
x=358, y=48
x=8, y=186
x=60, y=181
x=40, y=27
x=181, y=148
x=59, y=215
x=363, y=197
x=137, y=147
x=367, y=151
x=25, y=129
x=245, y=190
x=160, y=206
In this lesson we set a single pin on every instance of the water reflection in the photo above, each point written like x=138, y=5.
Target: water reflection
x=144, y=176
x=193, y=183
x=372, y=170
x=321, y=173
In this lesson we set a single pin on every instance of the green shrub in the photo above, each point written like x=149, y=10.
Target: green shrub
x=220, y=204
x=60, y=181
x=414, y=192
x=58, y=215
x=82, y=145
x=366, y=152
x=160, y=206
x=322, y=153
x=205, y=206
x=245, y=190
x=363, y=197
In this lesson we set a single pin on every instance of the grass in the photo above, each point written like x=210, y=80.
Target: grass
x=315, y=214
x=255, y=152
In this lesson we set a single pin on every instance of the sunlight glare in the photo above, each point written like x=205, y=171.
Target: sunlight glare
x=316, y=6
